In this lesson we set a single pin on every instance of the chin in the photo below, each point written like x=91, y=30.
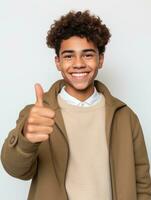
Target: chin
x=81, y=87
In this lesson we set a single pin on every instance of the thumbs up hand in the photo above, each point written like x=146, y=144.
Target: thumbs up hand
x=39, y=124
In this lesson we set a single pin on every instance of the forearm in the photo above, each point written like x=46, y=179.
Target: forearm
x=19, y=158
x=18, y=155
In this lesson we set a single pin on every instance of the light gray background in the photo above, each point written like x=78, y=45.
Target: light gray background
x=25, y=60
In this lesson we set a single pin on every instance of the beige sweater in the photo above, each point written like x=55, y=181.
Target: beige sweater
x=88, y=176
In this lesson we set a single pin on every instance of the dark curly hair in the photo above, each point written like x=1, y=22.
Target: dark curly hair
x=80, y=24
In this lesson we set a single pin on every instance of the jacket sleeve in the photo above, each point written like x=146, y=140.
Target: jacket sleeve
x=142, y=167
x=18, y=155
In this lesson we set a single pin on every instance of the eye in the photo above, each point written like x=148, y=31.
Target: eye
x=68, y=56
x=88, y=55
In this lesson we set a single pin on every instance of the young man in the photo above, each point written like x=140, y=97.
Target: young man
x=78, y=142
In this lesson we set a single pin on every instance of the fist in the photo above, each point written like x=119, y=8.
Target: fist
x=39, y=124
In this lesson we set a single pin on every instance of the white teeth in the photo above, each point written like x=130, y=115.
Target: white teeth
x=79, y=74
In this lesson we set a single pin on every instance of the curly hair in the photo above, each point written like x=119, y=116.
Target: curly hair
x=80, y=24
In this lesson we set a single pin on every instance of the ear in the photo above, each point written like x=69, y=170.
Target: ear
x=57, y=61
x=101, y=60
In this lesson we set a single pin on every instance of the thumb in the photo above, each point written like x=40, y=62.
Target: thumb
x=39, y=94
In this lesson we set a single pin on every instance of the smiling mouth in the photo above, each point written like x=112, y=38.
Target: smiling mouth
x=80, y=75
x=83, y=74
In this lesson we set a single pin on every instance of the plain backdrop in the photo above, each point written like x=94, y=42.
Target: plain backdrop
x=25, y=60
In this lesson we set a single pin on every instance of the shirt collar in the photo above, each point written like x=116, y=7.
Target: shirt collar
x=94, y=98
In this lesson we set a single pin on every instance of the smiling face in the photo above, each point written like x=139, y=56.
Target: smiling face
x=78, y=62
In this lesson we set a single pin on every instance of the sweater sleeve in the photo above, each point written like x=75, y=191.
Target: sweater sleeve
x=143, y=180
x=19, y=155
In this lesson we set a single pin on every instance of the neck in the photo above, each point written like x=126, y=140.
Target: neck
x=81, y=95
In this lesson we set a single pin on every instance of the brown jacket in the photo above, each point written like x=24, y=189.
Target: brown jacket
x=46, y=163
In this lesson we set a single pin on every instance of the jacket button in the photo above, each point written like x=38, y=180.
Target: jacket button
x=12, y=140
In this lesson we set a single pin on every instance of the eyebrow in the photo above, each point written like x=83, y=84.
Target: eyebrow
x=72, y=51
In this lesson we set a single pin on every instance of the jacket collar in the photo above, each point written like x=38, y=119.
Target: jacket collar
x=112, y=105
x=50, y=97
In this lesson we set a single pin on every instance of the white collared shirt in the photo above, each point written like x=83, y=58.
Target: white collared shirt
x=93, y=99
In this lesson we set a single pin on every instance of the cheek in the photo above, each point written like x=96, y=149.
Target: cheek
x=93, y=65
x=65, y=65
x=64, y=68
x=97, y=61
x=93, y=62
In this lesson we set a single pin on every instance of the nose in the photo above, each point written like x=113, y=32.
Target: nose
x=78, y=62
